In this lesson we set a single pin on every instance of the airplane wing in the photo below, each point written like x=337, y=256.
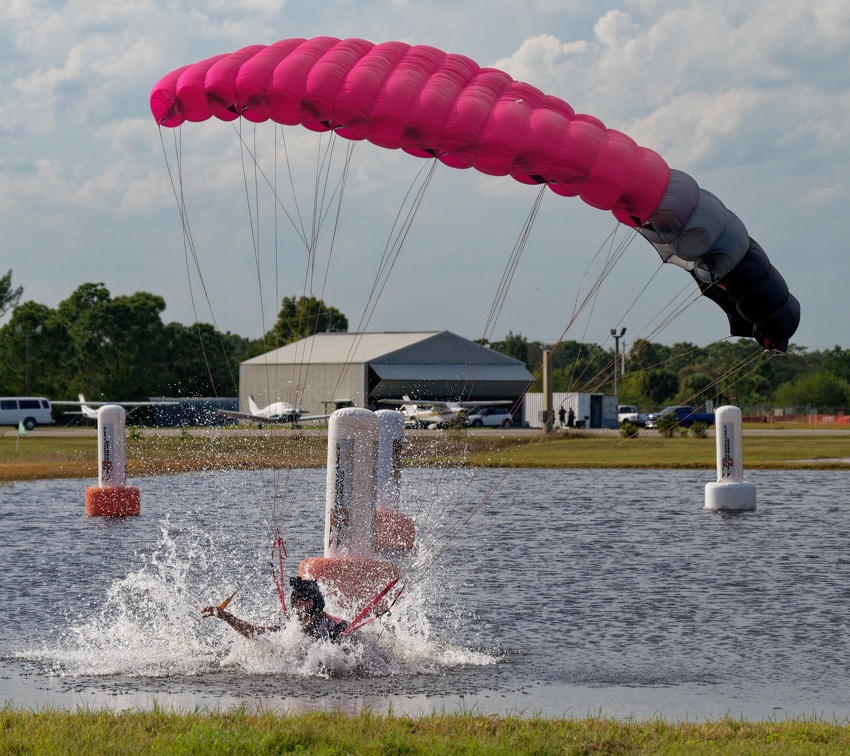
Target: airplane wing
x=445, y=406
x=283, y=420
x=86, y=406
x=420, y=403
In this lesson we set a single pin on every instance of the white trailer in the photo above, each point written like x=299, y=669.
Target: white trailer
x=590, y=410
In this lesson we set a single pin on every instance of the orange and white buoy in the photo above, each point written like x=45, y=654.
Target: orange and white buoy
x=112, y=497
x=395, y=531
x=350, y=569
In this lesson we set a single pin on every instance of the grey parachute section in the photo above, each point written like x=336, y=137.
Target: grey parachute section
x=693, y=229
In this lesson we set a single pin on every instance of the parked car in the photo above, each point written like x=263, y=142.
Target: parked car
x=685, y=416
x=626, y=413
x=29, y=410
x=489, y=417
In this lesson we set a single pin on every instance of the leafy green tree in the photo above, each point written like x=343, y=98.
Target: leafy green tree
x=649, y=388
x=9, y=297
x=581, y=366
x=837, y=362
x=696, y=389
x=118, y=345
x=818, y=390
x=515, y=345
x=302, y=317
x=203, y=361
x=49, y=352
x=644, y=355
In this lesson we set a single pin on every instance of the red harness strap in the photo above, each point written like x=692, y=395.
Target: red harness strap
x=359, y=622
x=277, y=576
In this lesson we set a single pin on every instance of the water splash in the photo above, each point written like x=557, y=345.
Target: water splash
x=149, y=626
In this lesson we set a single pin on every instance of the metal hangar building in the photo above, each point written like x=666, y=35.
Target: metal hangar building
x=327, y=371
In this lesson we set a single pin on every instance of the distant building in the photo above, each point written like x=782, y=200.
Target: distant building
x=331, y=370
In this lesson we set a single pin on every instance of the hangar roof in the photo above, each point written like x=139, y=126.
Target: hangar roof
x=388, y=348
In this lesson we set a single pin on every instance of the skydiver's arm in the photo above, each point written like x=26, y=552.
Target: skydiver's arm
x=239, y=625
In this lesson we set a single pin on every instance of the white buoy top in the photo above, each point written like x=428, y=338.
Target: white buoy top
x=351, y=483
x=112, y=446
x=390, y=440
x=730, y=467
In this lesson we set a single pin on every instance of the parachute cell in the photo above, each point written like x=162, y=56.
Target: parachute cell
x=433, y=104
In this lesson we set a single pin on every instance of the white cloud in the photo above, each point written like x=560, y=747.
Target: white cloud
x=753, y=96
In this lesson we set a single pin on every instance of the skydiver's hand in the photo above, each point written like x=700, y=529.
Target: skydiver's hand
x=210, y=611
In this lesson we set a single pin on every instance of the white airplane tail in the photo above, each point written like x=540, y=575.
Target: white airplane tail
x=253, y=409
x=85, y=409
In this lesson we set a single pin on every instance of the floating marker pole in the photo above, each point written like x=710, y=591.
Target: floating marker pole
x=394, y=530
x=350, y=568
x=729, y=492
x=112, y=497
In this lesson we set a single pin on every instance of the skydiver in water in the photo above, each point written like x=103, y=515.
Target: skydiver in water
x=309, y=604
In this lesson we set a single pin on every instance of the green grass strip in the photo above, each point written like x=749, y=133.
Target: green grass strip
x=241, y=732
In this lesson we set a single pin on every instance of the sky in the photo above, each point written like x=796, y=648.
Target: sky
x=752, y=99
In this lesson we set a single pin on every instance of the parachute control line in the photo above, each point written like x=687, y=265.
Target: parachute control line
x=730, y=492
x=112, y=497
x=350, y=568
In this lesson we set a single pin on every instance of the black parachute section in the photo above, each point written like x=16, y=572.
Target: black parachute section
x=693, y=229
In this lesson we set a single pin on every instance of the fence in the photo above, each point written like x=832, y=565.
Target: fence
x=814, y=416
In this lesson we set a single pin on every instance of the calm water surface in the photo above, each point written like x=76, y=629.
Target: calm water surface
x=560, y=593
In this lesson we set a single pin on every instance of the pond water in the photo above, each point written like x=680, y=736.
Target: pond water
x=558, y=593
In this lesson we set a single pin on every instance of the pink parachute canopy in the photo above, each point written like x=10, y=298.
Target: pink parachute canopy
x=428, y=103
x=434, y=104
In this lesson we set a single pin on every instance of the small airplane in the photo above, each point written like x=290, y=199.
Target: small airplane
x=87, y=409
x=276, y=412
x=436, y=414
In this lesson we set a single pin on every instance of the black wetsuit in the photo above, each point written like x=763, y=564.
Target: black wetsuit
x=326, y=628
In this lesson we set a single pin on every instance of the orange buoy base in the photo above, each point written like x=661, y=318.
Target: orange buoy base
x=354, y=582
x=118, y=501
x=394, y=531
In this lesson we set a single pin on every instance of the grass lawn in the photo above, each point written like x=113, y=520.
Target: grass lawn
x=33, y=457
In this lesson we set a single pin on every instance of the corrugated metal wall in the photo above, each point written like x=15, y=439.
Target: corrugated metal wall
x=312, y=388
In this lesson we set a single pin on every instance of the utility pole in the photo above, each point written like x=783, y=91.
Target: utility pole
x=617, y=337
x=548, y=408
x=37, y=331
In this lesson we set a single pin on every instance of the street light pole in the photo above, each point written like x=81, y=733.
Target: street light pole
x=617, y=337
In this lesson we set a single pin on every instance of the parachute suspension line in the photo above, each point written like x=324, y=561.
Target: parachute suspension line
x=616, y=250
x=324, y=209
x=303, y=232
x=392, y=249
x=395, y=239
x=505, y=528
x=580, y=305
x=501, y=295
x=614, y=254
x=275, y=510
x=511, y=267
x=299, y=232
x=190, y=250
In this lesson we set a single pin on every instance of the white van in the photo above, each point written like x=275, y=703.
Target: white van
x=29, y=410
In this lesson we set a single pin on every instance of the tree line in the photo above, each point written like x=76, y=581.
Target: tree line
x=654, y=375
x=120, y=348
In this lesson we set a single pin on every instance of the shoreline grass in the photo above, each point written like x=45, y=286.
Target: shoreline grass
x=238, y=731
x=75, y=456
